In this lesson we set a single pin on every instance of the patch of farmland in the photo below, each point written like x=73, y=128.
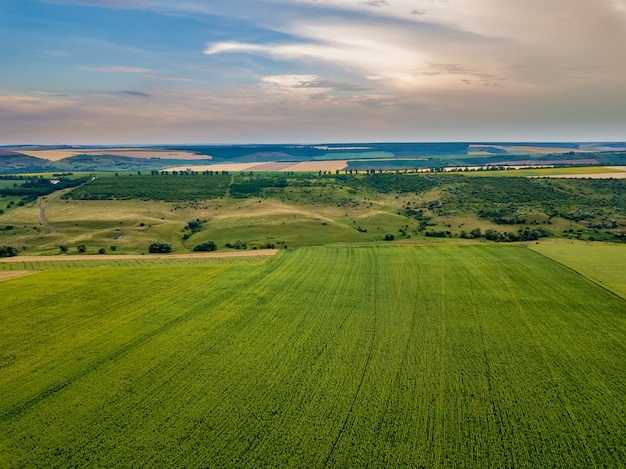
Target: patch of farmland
x=275, y=166
x=445, y=356
x=601, y=262
x=57, y=155
x=315, y=166
x=615, y=175
x=13, y=274
x=231, y=167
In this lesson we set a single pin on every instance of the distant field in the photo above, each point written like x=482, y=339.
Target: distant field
x=306, y=166
x=315, y=166
x=445, y=356
x=57, y=155
x=596, y=172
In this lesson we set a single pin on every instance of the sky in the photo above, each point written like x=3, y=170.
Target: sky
x=311, y=71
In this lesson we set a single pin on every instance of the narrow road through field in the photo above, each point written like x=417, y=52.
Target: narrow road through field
x=42, y=215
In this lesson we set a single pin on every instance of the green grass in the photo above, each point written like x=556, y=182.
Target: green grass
x=342, y=155
x=601, y=262
x=448, y=356
x=149, y=261
x=539, y=172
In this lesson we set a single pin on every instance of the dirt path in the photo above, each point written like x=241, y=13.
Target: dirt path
x=109, y=257
x=42, y=215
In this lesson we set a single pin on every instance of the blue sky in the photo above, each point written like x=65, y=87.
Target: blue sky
x=244, y=71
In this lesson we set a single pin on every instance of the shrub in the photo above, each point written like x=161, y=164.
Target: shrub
x=206, y=246
x=390, y=237
x=157, y=247
x=8, y=251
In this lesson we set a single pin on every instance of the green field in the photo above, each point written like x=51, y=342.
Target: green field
x=602, y=262
x=397, y=356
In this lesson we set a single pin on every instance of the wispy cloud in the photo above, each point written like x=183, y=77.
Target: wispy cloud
x=136, y=94
x=115, y=69
x=146, y=72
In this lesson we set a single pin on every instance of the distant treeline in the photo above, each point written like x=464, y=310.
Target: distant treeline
x=35, y=187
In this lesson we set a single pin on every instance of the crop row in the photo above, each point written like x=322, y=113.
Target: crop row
x=445, y=356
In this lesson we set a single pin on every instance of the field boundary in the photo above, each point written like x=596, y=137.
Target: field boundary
x=580, y=274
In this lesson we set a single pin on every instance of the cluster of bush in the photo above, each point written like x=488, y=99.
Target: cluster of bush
x=237, y=245
x=160, y=248
x=193, y=227
x=8, y=251
x=523, y=234
x=207, y=246
x=438, y=234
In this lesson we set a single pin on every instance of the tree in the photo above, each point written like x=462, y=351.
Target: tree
x=390, y=237
x=206, y=246
x=63, y=248
x=81, y=248
x=102, y=251
x=158, y=247
x=8, y=251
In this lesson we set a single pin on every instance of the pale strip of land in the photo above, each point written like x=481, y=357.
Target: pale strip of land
x=57, y=155
x=303, y=167
x=277, y=166
x=14, y=274
x=621, y=175
x=145, y=153
x=515, y=149
x=216, y=167
x=52, y=155
x=112, y=257
x=313, y=166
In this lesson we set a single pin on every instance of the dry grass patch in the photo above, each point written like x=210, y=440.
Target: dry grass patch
x=14, y=273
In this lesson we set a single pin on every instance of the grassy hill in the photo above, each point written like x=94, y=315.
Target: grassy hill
x=130, y=211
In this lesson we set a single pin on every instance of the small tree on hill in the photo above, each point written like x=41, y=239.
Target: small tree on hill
x=206, y=246
x=157, y=247
x=8, y=251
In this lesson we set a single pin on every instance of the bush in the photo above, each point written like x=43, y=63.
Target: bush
x=8, y=251
x=157, y=247
x=81, y=248
x=102, y=251
x=206, y=246
x=237, y=245
x=390, y=237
